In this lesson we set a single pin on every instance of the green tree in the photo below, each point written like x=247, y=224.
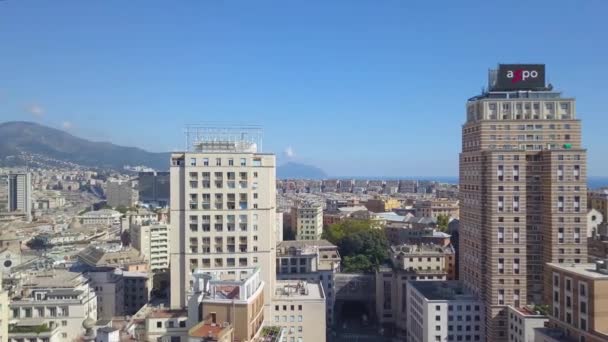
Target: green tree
x=357, y=263
x=122, y=209
x=337, y=231
x=442, y=222
x=362, y=247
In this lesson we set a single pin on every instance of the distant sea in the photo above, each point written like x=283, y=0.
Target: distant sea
x=592, y=182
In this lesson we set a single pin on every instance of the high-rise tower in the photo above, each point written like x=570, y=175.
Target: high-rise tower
x=523, y=190
x=223, y=208
x=20, y=193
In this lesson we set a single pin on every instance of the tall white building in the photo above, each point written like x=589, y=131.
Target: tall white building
x=223, y=208
x=20, y=193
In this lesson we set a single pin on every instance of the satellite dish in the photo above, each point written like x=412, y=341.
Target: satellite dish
x=550, y=86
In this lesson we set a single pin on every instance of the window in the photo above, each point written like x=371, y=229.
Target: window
x=159, y=324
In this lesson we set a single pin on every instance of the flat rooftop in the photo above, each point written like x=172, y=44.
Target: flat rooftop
x=294, y=289
x=54, y=278
x=526, y=311
x=305, y=243
x=206, y=330
x=166, y=313
x=442, y=290
x=585, y=270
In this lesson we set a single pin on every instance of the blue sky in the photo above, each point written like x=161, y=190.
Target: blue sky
x=375, y=88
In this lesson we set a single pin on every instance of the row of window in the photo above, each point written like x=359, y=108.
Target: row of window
x=218, y=162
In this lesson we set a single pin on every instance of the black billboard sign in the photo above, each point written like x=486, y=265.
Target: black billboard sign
x=520, y=77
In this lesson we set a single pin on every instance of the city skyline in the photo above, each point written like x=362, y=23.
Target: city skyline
x=340, y=86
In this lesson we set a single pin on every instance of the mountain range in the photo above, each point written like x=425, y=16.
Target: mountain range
x=22, y=142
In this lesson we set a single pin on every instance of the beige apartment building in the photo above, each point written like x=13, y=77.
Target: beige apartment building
x=307, y=219
x=229, y=297
x=299, y=308
x=312, y=261
x=60, y=299
x=151, y=239
x=578, y=295
x=438, y=206
x=598, y=200
x=412, y=262
x=223, y=208
x=522, y=195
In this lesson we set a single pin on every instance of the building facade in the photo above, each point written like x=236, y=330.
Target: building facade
x=229, y=297
x=120, y=193
x=578, y=295
x=223, y=208
x=152, y=241
x=522, y=181
x=59, y=299
x=154, y=188
x=20, y=193
x=443, y=311
x=312, y=261
x=523, y=321
x=307, y=221
x=299, y=308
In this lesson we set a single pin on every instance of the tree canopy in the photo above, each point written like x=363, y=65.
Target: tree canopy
x=362, y=247
x=442, y=222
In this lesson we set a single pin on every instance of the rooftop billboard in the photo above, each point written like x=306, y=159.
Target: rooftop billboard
x=520, y=77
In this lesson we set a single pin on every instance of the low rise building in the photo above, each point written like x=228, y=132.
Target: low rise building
x=167, y=325
x=406, y=233
x=438, y=206
x=231, y=296
x=443, y=311
x=57, y=300
x=598, y=200
x=409, y=263
x=48, y=199
x=577, y=294
x=312, y=261
x=299, y=308
x=424, y=257
x=126, y=258
x=522, y=321
x=106, y=217
x=211, y=332
x=107, y=334
x=382, y=204
x=109, y=287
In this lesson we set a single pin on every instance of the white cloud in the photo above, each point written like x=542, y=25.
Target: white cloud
x=289, y=152
x=36, y=110
x=66, y=125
